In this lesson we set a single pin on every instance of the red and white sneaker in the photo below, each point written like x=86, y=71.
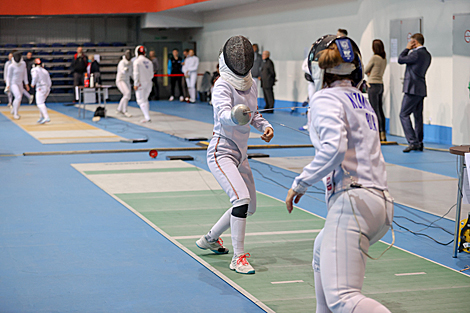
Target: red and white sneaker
x=241, y=265
x=215, y=246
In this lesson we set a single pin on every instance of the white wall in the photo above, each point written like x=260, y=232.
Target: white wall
x=288, y=28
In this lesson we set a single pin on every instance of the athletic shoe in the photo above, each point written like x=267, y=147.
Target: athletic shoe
x=40, y=120
x=16, y=117
x=305, y=127
x=31, y=99
x=44, y=121
x=10, y=105
x=186, y=99
x=145, y=121
x=12, y=110
x=181, y=98
x=127, y=114
x=215, y=246
x=171, y=98
x=119, y=112
x=240, y=264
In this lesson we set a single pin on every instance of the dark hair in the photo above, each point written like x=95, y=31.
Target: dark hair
x=343, y=31
x=378, y=48
x=175, y=49
x=255, y=44
x=419, y=38
x=330, y=58
x=186, y=50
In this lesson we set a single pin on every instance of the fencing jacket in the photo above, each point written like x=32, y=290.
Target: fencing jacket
x=17, y=73
x=225, y=97
x=191, y=64
x=40, y=78
x=143, y=71
x=344, y=131
x=124, y=70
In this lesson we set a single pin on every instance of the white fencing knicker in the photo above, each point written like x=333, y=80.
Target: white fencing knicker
x=191, y=82
x=142, y=96
x=338, y=280
x=125, y=88
x=17, y=92
x=41, y=95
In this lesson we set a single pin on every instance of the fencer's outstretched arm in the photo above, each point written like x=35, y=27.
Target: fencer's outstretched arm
x=328, y=127
x=259, y=122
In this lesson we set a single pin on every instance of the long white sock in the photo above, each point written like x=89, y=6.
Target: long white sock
x=220, y=227
x=43, y=110
x=238, y=226
x=145, y=110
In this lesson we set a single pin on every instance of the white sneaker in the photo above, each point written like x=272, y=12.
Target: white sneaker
x=241, y=265
x=16, y=117
x=40, y=120
x=12, y=110
x=181, y=98
x=145, y=121
x=186, y=99
x=10, y=105
x=45, y=120
x=171, y=98
x=126, y=114
x=119, y=112
x=31, y=99
x=215, y=246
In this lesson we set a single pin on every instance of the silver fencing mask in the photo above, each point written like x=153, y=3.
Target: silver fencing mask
x=17, y=57
x=239, y=55
x=128, y=55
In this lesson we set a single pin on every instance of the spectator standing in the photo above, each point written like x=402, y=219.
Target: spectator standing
x=342, y=32
x=95, y=70
x=79, y=67
x=5, y=77
x=191, y=64
x=257, y=63
x=417, y=60
x=155, y=65
x=185, y=85
x=174, y=67
x=375, y=71
x=268, y=79
x=29, y=65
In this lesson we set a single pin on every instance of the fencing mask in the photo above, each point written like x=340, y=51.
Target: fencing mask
x=140, y=50
x=17, y=57
x=239, y=55
x=128, y=55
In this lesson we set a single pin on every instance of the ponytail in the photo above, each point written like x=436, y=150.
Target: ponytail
x=330, y=57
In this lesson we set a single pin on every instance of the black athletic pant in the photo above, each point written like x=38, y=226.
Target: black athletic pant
x=154, y=93
x=268, y=98
x=376, y=92
x=176, y=80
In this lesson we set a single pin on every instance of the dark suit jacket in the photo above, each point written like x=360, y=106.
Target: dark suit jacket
x=256, y=70
x=268, y=75
x=417, y=63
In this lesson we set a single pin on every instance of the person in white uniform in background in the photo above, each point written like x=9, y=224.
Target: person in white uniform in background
x=16, y=76
x=123, y=82
x=343, y=129
x=227, y=151
x=143, y=74
x=191, y=63
x=41, y=80
x=5, y=75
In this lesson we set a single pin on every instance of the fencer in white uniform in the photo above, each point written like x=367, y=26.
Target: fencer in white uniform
x=41, y=79
x=123, y=82
x=5, y=75
x=142, y=74
x=191, y=64
x=17, y=75
x=343, y=130
x=227, y=151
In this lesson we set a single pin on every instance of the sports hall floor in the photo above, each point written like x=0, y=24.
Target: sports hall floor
x=115, y=232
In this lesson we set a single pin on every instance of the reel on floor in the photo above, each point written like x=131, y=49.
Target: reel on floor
x=464, y=235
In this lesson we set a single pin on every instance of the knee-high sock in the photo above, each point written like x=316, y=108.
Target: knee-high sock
x=145, y=109
x=42, y=108
x=220, y=227
x=238, y=226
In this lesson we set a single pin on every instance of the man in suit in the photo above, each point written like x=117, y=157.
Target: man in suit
x=268, y=78
x=417, y=60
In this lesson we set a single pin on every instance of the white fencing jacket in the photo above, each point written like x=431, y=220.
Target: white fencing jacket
x=191, y=64
x=17, y=74
x=142, y=71
x=124, y=70
x=40, y=78
x=225, y=97
x=344, y=131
